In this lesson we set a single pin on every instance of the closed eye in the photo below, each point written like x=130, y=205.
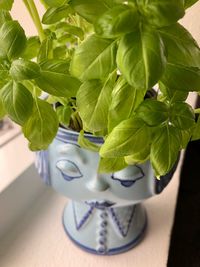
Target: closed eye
x=69, y=170
x=128, y=176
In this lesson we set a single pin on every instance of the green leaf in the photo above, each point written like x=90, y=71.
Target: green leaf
x=181, y=47
x=56, y=65
x=141, y=58
x=55, y=3
x=127, y=138
x=90, y=9
x=64, y=114
x=3, y=72
x=110, y=165
x=117, y=21
x=185, y=137
x=60, y=52
x=42, y=126
x=94, y=58
x=66, y=27
x=2, y=110
x=139, y=157
x=55, y=14
x=4, y=16
x=161, y=13
x=196, y=132
x=125, y=100
x=55, y=81
x=153, y=112
x=93, y=100
x=181, y=77
x=33, y=89
x=182, y=116
x=22, y=69
x=165, y=149
x=189, y=3
x=85, y=143
x=17, y=101
x=32, y=48
x=46, y=50
x=12, y=40
x=6, y=4
x=171, y=94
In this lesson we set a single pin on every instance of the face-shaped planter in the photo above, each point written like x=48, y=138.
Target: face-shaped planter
x=105, y=215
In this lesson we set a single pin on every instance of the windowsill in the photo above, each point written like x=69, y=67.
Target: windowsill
x=15, y=158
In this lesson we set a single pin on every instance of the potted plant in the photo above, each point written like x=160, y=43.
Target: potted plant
x=98, y=61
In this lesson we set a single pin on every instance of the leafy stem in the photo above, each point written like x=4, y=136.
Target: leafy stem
x=30, y=5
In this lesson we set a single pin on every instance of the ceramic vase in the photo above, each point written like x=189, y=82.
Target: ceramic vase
x=105, y=215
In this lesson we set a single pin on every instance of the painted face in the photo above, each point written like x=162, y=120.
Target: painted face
x=73, y=172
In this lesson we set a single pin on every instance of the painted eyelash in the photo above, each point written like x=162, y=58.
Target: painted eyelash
x=128, y=183
x=68, y=177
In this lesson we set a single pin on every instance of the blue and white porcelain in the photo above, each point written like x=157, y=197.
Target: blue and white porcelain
x=104, y=216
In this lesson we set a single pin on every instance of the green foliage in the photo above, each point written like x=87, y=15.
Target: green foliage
x=17, y=102
x=4, y=16
x=165, y=149
x=153, y=112
x=128, y=137
x=138, y=55
x=125, y=99
x=87, y=144
x=55, y=14
x=99, y=61
x=6, y=4
x=55, y=81
x=117, y=21
x=161, y=13
x=189, y=3
x=109, y=165
x=12, y=40
x=32, y=48
x=64, y=115
x=93, y=100
x=42, y=126
x=90, y=9
x=22, y=69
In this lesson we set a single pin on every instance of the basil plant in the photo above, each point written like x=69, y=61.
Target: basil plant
x=98, y=61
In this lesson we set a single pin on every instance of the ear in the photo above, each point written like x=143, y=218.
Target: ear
x=42, y=165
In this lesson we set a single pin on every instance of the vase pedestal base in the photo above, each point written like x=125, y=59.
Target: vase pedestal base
x=104, y=230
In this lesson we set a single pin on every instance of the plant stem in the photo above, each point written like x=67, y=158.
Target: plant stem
x=30, y=5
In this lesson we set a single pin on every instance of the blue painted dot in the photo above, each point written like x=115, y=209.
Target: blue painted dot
x=102, y=250
x=104, y=224
x=103, y=232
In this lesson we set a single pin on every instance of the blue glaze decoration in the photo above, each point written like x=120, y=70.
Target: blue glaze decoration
x=68, y=174
x=128, y=183
x=84, y=219
x=112, y=251
x=100, y=204
x=120, y=227
x=42, y=165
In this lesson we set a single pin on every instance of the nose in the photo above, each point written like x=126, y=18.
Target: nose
x=97, y=184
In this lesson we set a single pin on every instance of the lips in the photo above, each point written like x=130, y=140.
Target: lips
x=100, y=204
